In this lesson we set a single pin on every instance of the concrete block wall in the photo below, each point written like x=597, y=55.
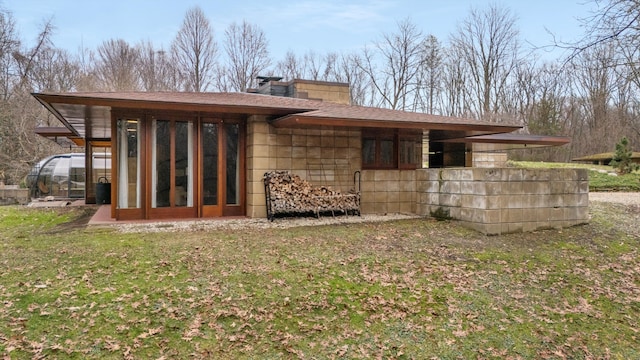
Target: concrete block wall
x=489, y=156
x=388, y=191
x=10, y=195
x=503, y=200
x=303, y=152
x=327, y=91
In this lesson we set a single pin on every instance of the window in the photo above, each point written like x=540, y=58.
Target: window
x=391, y=149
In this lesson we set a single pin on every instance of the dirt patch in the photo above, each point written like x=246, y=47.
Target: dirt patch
x=81, y=216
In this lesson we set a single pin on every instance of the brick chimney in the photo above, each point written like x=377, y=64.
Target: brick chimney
x=335, y=92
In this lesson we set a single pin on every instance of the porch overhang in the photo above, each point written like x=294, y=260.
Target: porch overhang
x=88, y=115
x=517, y=140
x=61, y=135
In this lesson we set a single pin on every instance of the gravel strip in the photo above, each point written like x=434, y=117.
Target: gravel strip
x=626, y=198
x=241, y=224
x=632, y=198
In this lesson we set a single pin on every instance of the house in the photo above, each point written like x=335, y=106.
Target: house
x=202, y=155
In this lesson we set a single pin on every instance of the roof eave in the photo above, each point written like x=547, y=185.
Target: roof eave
x=514, y=139
x=296, y=120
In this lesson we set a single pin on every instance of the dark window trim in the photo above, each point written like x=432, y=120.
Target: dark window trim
x=386, y=134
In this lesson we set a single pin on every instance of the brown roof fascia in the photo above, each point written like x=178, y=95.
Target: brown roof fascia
x=519, y=139
x=296, y=120
x=164, y=104
x=55, y=132
x=58, y=116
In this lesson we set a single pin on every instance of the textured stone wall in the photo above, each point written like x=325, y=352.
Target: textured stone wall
x=388, y=191
x=502, y=200
x=10, y=195
x=489, y=156
x=323, y=156
x=327, y=91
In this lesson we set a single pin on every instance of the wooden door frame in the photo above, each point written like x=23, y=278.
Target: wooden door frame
x=240, y=209
x=222, y=209
x=127, y=213
x=146, y=120
x=171, y=211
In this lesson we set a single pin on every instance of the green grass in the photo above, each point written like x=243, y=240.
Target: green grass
x=598, y=181
x=404, y=289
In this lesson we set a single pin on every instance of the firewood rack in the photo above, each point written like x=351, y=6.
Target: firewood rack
x=320, y=200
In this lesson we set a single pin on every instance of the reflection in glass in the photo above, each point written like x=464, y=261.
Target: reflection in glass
x=162, y=164
x=386, y=152
x=128, y=147
x=233, y=163
x=183, y=165
x=210, y=163
x=368, y=151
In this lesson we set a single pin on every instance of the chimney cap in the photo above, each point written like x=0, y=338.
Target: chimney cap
x=265, y=79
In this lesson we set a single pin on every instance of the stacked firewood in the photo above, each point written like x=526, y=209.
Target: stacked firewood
x=288, y=193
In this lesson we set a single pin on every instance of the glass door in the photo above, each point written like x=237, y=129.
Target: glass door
x=210, y=170
x=128, y=167
x=172, y=170
x=222, y=169
x=233, y=189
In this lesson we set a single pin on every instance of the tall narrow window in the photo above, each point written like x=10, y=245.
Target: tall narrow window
x=172, y=164
x=210, y=163
x=183, y=165
x=128, y=147
x=161, y=163
x=233, y=163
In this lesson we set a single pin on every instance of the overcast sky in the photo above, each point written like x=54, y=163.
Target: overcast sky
x=318, y=25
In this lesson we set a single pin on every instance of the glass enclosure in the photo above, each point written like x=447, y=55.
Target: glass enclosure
x=63, y=176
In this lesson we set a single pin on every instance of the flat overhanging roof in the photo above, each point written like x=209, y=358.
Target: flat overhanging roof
x=525, y=140
x=87, y=115
x=60, y=135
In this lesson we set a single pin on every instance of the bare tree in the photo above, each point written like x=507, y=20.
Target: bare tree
x=9, y=43
x=429, y=78
x=393, y=64
x=155, y=70
x=346, y=70
x=319, y=66
x=115, y=67
x=487, y=41
x=54, y=70
x=455, y=85
x=195, y=51
x=291, y=67
x=614, y=21
x=20, y=113
x=248, y=55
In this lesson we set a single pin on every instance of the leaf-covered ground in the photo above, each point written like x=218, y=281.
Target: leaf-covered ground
x=404, y=289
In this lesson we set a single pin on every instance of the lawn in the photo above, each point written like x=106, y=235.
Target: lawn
x=404, y=289
x=600, y=178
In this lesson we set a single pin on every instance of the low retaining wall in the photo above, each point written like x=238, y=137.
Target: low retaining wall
x=502, y=200
x=11, y=196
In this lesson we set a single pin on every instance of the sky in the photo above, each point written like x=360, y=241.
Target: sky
x=301, y=25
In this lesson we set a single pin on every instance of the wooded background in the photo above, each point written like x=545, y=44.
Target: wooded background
x=482, y=70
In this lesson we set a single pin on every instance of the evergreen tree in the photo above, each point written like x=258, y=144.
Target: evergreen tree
x=622, y=158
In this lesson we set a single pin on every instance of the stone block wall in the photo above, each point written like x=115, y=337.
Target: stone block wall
x=388, y=191
x=10, y=195
x=489, y=156
x=503, y=200
x=327, y=91
x=323, y=156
